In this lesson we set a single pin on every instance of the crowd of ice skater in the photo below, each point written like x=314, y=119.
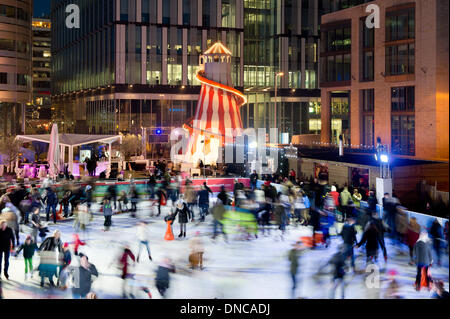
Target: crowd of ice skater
x=245, y=213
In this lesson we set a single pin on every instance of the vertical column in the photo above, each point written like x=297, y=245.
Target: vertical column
x=164, y=56
x=303, y=63
x=138, y=11
x=219, y=13
x=159, y=8
x=325, y=133
x=200, y=13
x=180, y=12
x=355, y=118
x=144, y=54
x=71, y=159
x=284, y=61
x=241, y=67
x=185, y=58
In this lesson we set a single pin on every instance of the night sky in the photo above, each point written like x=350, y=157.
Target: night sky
x=41, y=7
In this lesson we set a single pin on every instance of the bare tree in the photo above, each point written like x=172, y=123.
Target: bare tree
x=131, y=145
x=10, y=150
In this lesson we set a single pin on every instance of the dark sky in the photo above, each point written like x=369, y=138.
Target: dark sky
x=41, y=7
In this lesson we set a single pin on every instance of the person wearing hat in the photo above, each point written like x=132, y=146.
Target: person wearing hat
x=183, y=215
x=28, y=247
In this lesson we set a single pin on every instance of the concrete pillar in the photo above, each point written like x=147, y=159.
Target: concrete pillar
x=71, y=159
x=325, y=133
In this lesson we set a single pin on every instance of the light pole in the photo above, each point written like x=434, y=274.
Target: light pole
x=278, y=74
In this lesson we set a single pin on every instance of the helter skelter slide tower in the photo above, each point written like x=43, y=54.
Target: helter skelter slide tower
x=217, y=118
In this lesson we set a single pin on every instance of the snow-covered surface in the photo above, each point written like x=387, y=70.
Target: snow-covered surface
x=256, y=269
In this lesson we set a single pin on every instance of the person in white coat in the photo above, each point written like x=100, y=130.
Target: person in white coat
x=143, y=237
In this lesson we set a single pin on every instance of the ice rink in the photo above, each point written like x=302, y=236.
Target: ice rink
x=255, y=269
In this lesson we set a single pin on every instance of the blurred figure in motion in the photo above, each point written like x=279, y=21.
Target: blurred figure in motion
x=134, y=198
x=218, y=212
x=436, y=235
x=203, y=202
x=123, y=202
x=183, y=216
x=371, y=239
x=77, y=243
x=253, y=180
x=423, y=258
x=190, y=196
x=438, y=290
x=63, y=273
x=151, y=185
x=83, y=278
x=162, y=199
x=143, y=237
x=197, y=250
x=280, y=217
x=112, y=194
x=223, y=196
x=162, y=280
x=337, y=262
x=294, y=254
x=107, y=213
x=6, y=245
x=413, y=234
x=51, y=257
x=123, y=261
x=28, y=247
x=392, y=291
x=348, y=234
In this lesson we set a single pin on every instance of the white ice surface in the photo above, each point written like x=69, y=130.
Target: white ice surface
x=256, y=269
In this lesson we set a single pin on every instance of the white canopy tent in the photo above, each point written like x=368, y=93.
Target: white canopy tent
x=74, y=140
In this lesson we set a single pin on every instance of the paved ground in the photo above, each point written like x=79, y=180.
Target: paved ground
x=239, y=269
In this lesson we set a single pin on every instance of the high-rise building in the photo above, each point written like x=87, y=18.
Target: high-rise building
x=15, y=64
x=132, y=63
x=389, y=82
x=39, y=114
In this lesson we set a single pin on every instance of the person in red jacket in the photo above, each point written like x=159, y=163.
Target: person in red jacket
x=125, y=267
x=335, y=196
x=77, y=243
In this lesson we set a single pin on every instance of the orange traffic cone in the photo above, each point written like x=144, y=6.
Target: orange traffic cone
x=169, y=233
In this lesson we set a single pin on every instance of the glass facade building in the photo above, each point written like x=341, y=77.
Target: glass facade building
x=132, y=63
x=15, y=65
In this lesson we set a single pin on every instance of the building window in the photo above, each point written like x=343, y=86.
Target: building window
x=368, y=128
x=123, y=10
x=367, y=52
x=400, y=24
x=3, y=78
x=145, y=11
x=166, y=12
x=186, y=12
x=22, y=79
x=403, y=120
x=403, y=135
x=336, y=53
x=7, y=11
x=402, y=99
x=400, y=56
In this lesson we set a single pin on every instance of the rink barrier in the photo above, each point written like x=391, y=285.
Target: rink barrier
x=423, y=220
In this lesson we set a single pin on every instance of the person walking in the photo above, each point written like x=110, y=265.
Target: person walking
x=423, y=258
x=28, y=247
x=346, y=200
x=84, y=274
x=162, y=199
x=143, y=237
x=112, y=194
x=151, y=185
x=6, y=246
x=64, y=273
x=223, y=196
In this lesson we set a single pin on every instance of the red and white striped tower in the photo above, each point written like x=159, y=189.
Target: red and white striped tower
x=218, y=106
